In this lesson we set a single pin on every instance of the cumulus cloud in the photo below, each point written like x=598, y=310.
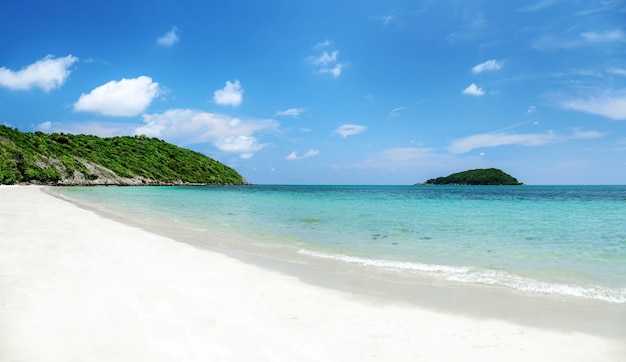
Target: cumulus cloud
x=325, y=59
x=291, y=112
x=244, y=145
x=326, y=62
x=350, y=130
x=46, y=74
x=124, y=98
x=609, y=104
x=334, y=71
x=474, y=90
x=310, y=153
x=230, y=95
x=464, y=145
x=186, y=126
x=170, y=38
x=489, y=65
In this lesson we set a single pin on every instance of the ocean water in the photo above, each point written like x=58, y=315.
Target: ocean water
x=564, y=240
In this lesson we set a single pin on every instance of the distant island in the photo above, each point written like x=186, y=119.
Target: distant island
x=482, y=176
x=66, y=159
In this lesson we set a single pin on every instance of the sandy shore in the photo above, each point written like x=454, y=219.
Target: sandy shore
x=75, y=286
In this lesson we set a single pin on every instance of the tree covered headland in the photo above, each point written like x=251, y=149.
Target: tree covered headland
x=66, y=159
x=482, y=176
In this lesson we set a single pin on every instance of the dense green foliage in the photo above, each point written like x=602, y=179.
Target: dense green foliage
x=54, y=158
x=483, y=176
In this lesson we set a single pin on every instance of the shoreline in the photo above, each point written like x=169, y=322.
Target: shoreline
x=477, y=300
x=79, y=285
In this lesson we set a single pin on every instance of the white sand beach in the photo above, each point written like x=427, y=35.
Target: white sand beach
x=75, y=286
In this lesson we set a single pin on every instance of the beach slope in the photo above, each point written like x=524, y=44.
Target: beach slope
x=75, y=286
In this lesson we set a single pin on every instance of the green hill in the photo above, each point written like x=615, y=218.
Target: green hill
x=483, y=176
x=65, y=159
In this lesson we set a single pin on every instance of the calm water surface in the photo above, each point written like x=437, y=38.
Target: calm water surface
x=568, y=240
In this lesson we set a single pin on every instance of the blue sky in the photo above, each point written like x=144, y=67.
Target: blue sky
x=333, y=92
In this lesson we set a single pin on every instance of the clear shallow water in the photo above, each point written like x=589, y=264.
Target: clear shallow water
x=567, y=240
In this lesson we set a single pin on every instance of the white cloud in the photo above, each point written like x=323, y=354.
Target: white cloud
x=326, y=62
x=126, y=98
x=387, y=19
x=334, y=71
x=310, y=153
x=170, y=38
x=618, y=71
x=47, y=74
x=591, y=38
x=291, y=112
x=244, y=145
x=45, y=126
x=396, y=111
x=467, y=144
x=464, y=145
x=610, y=105
x=325, y=59
x=531, y=109
x=540, y=5
x=186, y=126
x=489, y=65
x=322, y=44
x=607, y=36
x=405, y=158
x=578, y=134
x=350, y=130
x=473, y=90
x=230, y=95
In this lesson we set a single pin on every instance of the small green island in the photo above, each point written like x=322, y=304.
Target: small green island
x=481, y=176
x=67, y=159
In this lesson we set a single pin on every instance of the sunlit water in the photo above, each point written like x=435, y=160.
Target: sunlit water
x=567, y=240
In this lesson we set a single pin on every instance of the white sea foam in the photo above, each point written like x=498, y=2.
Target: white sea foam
x=539, y=287
x=490, y=277
x=387, y=264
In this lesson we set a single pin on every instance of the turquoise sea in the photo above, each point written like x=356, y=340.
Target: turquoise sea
x=562, y=240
